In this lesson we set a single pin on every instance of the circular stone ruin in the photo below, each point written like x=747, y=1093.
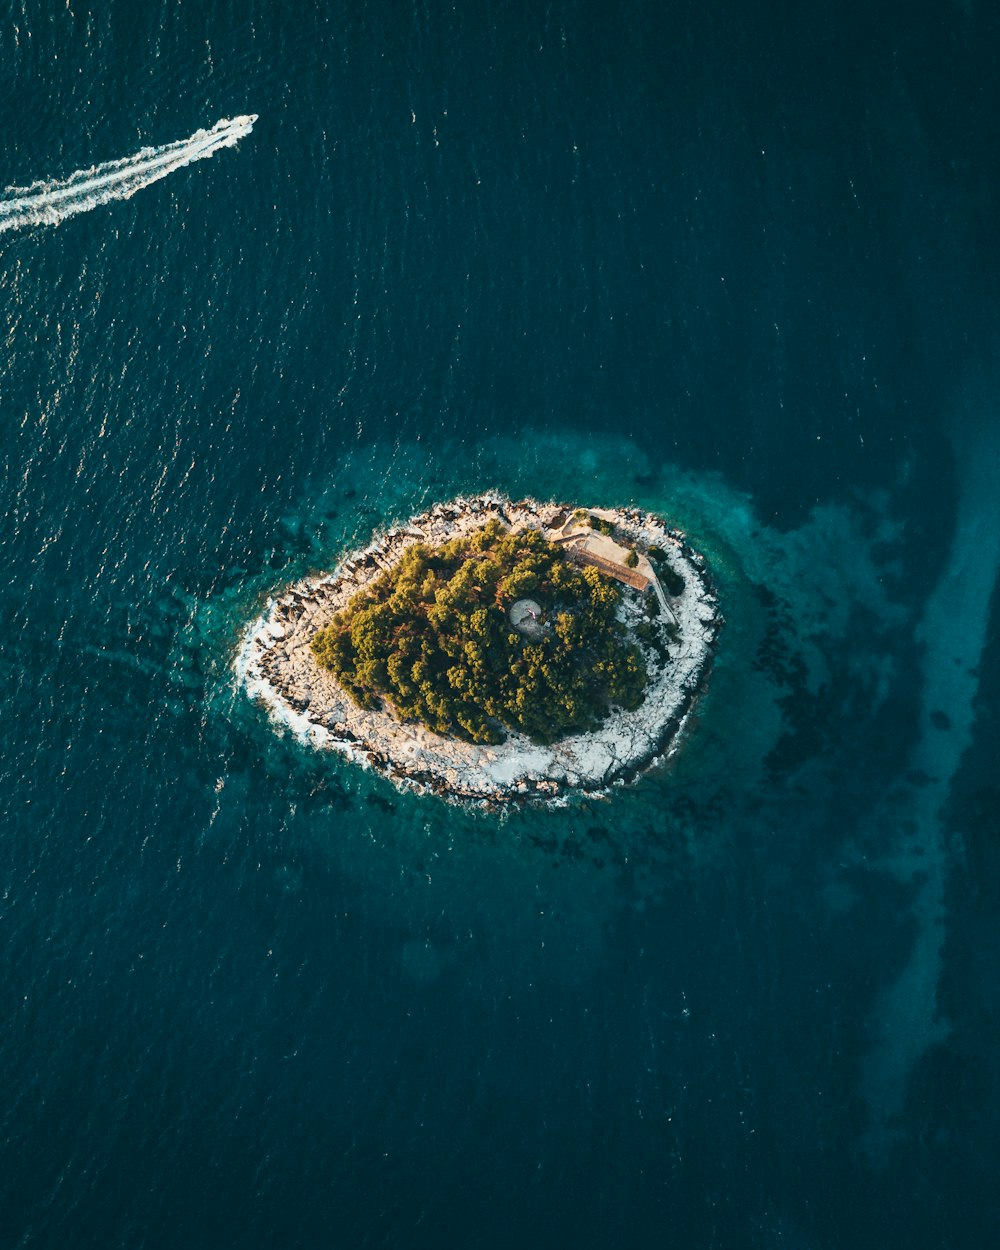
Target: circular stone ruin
x=526, y=617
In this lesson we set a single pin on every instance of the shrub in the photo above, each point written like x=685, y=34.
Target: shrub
x=600, y=524
x=671, y=580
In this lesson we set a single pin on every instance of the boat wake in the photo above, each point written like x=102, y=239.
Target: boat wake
x=50, y=202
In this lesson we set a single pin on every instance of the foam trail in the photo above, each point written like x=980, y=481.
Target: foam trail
x=50, y=202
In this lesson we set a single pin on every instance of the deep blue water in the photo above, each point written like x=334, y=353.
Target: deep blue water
x=733, y=263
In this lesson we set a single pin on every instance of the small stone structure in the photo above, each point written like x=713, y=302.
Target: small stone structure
x=526, y=617
x=620, y=572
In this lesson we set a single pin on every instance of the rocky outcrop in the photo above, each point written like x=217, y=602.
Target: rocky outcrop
x=276, y=665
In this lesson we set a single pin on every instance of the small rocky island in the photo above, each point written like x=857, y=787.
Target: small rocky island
x=492, y=651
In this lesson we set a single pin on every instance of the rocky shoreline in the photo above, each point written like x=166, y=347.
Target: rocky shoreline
x=276, y=666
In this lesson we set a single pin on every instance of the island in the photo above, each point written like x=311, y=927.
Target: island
x=494, y=651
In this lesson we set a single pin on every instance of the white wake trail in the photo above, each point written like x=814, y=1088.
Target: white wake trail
x=50, y=202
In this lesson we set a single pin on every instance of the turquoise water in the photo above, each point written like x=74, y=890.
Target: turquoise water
x=734, y=269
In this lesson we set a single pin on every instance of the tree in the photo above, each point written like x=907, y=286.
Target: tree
x=430, y=637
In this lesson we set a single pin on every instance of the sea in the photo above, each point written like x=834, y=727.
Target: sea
x=732, y=263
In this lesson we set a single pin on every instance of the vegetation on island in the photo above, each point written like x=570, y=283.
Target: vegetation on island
x=431, y=637
x=670, y=579
x=600, y=524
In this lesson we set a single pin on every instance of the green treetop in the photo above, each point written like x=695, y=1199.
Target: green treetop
x=431, y=637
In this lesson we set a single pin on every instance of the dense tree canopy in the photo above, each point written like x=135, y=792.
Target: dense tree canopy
x=431, y=636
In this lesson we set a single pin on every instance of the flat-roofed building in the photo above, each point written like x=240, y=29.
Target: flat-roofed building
x=620, y=572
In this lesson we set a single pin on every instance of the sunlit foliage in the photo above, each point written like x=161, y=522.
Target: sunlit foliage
x=431, y=637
